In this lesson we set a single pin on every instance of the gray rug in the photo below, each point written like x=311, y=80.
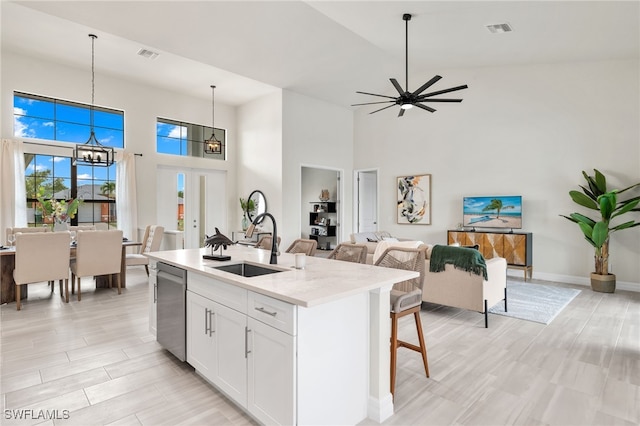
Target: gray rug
x=534, y=302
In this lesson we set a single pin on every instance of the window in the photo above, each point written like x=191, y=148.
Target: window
x=64, y=121
x=186, y=139
x=56, y=177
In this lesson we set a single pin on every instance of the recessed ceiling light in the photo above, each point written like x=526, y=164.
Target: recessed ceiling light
x=145, y=53
x=499, y=28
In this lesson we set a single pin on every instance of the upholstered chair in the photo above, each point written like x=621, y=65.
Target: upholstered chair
x=265, y=242
x=26, y=230
x=356, y=253
x=97, y=253
x=302, y=245
x=42, y=256
x=150, y=242
x=81, y=228
x=406, y=299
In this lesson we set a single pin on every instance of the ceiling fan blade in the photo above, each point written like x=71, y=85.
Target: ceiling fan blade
x=397, y=85
x=373, y=94
x=371, y=103
x=439, y=100
x=382, y=109
x=401, y=113
x=439, y=92
x=425, y=107
x=427, y=85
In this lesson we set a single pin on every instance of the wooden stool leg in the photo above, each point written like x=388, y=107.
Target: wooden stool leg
x=18, y=307
x=117, y=276
x=73, y=283
x=146, y=267
x=79, y=290
x=423, y=347
x=394, y=349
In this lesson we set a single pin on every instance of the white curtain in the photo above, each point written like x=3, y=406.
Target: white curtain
x=126, y=199
x=13, y=194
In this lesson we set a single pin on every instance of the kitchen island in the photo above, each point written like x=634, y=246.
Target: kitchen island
x=307, y=346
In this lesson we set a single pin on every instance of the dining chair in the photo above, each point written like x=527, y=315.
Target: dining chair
x=97, y=253
x=356, y=253
x=265, y=242
x=41, y=256
x=302, y=245
x=406, y=299
x=150, y=242
x=15, y=230
x=81, y=228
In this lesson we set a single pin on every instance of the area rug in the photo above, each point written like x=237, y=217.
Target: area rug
x=534, y=302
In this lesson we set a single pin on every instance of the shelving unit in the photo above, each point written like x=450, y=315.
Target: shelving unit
x=323, y=220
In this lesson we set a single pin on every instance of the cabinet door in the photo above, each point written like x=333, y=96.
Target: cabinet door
x=200, y=339
x=515, y=249
x=271, y=362
x=457, y=237
x=153, y=283
x=492, y=245
x=229, y=327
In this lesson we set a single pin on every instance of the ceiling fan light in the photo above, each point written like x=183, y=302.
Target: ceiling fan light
x=406, y=106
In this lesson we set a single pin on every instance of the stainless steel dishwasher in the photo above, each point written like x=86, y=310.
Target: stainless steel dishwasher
x=171, y=309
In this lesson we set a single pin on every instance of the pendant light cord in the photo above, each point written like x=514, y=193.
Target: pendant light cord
x=93, y=78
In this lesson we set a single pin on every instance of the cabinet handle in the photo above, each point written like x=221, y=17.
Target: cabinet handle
x=264, y=311
x=155, y=292
x=207, y=317
x=246, y=341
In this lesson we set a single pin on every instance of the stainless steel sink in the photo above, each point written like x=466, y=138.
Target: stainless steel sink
x=247, y=269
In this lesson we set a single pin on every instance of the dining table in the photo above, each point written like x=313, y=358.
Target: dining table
x=8, y=264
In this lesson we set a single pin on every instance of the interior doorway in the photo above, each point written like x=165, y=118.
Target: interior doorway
x=320, y=219
x=192, y=201
x=366, y=200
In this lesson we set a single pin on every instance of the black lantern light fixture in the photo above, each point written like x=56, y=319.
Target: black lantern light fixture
x=92, y=152
x=212, y=145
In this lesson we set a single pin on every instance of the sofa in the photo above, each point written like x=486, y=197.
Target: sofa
x=454, y=287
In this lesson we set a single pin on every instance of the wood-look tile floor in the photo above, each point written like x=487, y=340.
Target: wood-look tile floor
x=96, y=363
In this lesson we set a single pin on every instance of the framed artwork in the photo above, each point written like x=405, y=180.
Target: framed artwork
x=414, y=200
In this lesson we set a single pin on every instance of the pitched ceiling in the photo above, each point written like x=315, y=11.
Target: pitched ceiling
x=323, y=49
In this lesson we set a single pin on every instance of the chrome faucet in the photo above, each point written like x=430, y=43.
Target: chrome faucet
x=274, y=239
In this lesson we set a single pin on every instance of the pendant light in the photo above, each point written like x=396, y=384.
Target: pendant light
x=212, y=145
x=92, y=152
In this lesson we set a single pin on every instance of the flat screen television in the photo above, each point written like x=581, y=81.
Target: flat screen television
x=493, y=212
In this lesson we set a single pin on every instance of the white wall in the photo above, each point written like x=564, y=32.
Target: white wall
x=142, y=105
x=315, y=134
x=527, y=130
x=260, y=154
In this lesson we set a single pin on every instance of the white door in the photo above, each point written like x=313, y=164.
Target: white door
x=230, y=353
x=192, y=201
x=367, y=201
x=201, y=343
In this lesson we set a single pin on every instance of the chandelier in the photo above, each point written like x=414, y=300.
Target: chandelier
x=92, y=152
x=212, y=145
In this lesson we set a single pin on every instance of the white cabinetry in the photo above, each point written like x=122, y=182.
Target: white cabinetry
x=282, y=363
x=250, y=361
x=153, y=293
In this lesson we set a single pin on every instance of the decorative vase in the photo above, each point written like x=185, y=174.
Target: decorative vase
x=603, y=283
x=245, y=223
x=60, y=225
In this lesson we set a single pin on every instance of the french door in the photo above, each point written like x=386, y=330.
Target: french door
x=192, y=201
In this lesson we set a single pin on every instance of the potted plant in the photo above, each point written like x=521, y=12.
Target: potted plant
x=247, y=207
x=598, y=231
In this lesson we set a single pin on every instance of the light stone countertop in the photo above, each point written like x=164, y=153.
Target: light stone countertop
x=321, y=280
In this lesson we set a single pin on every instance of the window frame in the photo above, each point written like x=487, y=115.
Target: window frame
x=192, y=145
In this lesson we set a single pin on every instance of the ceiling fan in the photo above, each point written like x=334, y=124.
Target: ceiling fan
x=409, y=99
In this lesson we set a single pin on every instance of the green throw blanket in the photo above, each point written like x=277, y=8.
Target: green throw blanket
x=467, y=259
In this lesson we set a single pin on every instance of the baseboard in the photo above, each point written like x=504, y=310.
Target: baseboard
x=570, y=279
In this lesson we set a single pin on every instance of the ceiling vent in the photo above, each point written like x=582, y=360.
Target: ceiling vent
x=499, y=28
x=147, y=53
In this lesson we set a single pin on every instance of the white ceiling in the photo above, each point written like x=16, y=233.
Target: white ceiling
x=324, y=49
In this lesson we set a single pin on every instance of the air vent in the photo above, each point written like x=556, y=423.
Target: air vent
x=499, y=28
x=147, y=53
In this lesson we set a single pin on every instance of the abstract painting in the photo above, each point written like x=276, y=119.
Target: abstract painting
x=414, y=200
